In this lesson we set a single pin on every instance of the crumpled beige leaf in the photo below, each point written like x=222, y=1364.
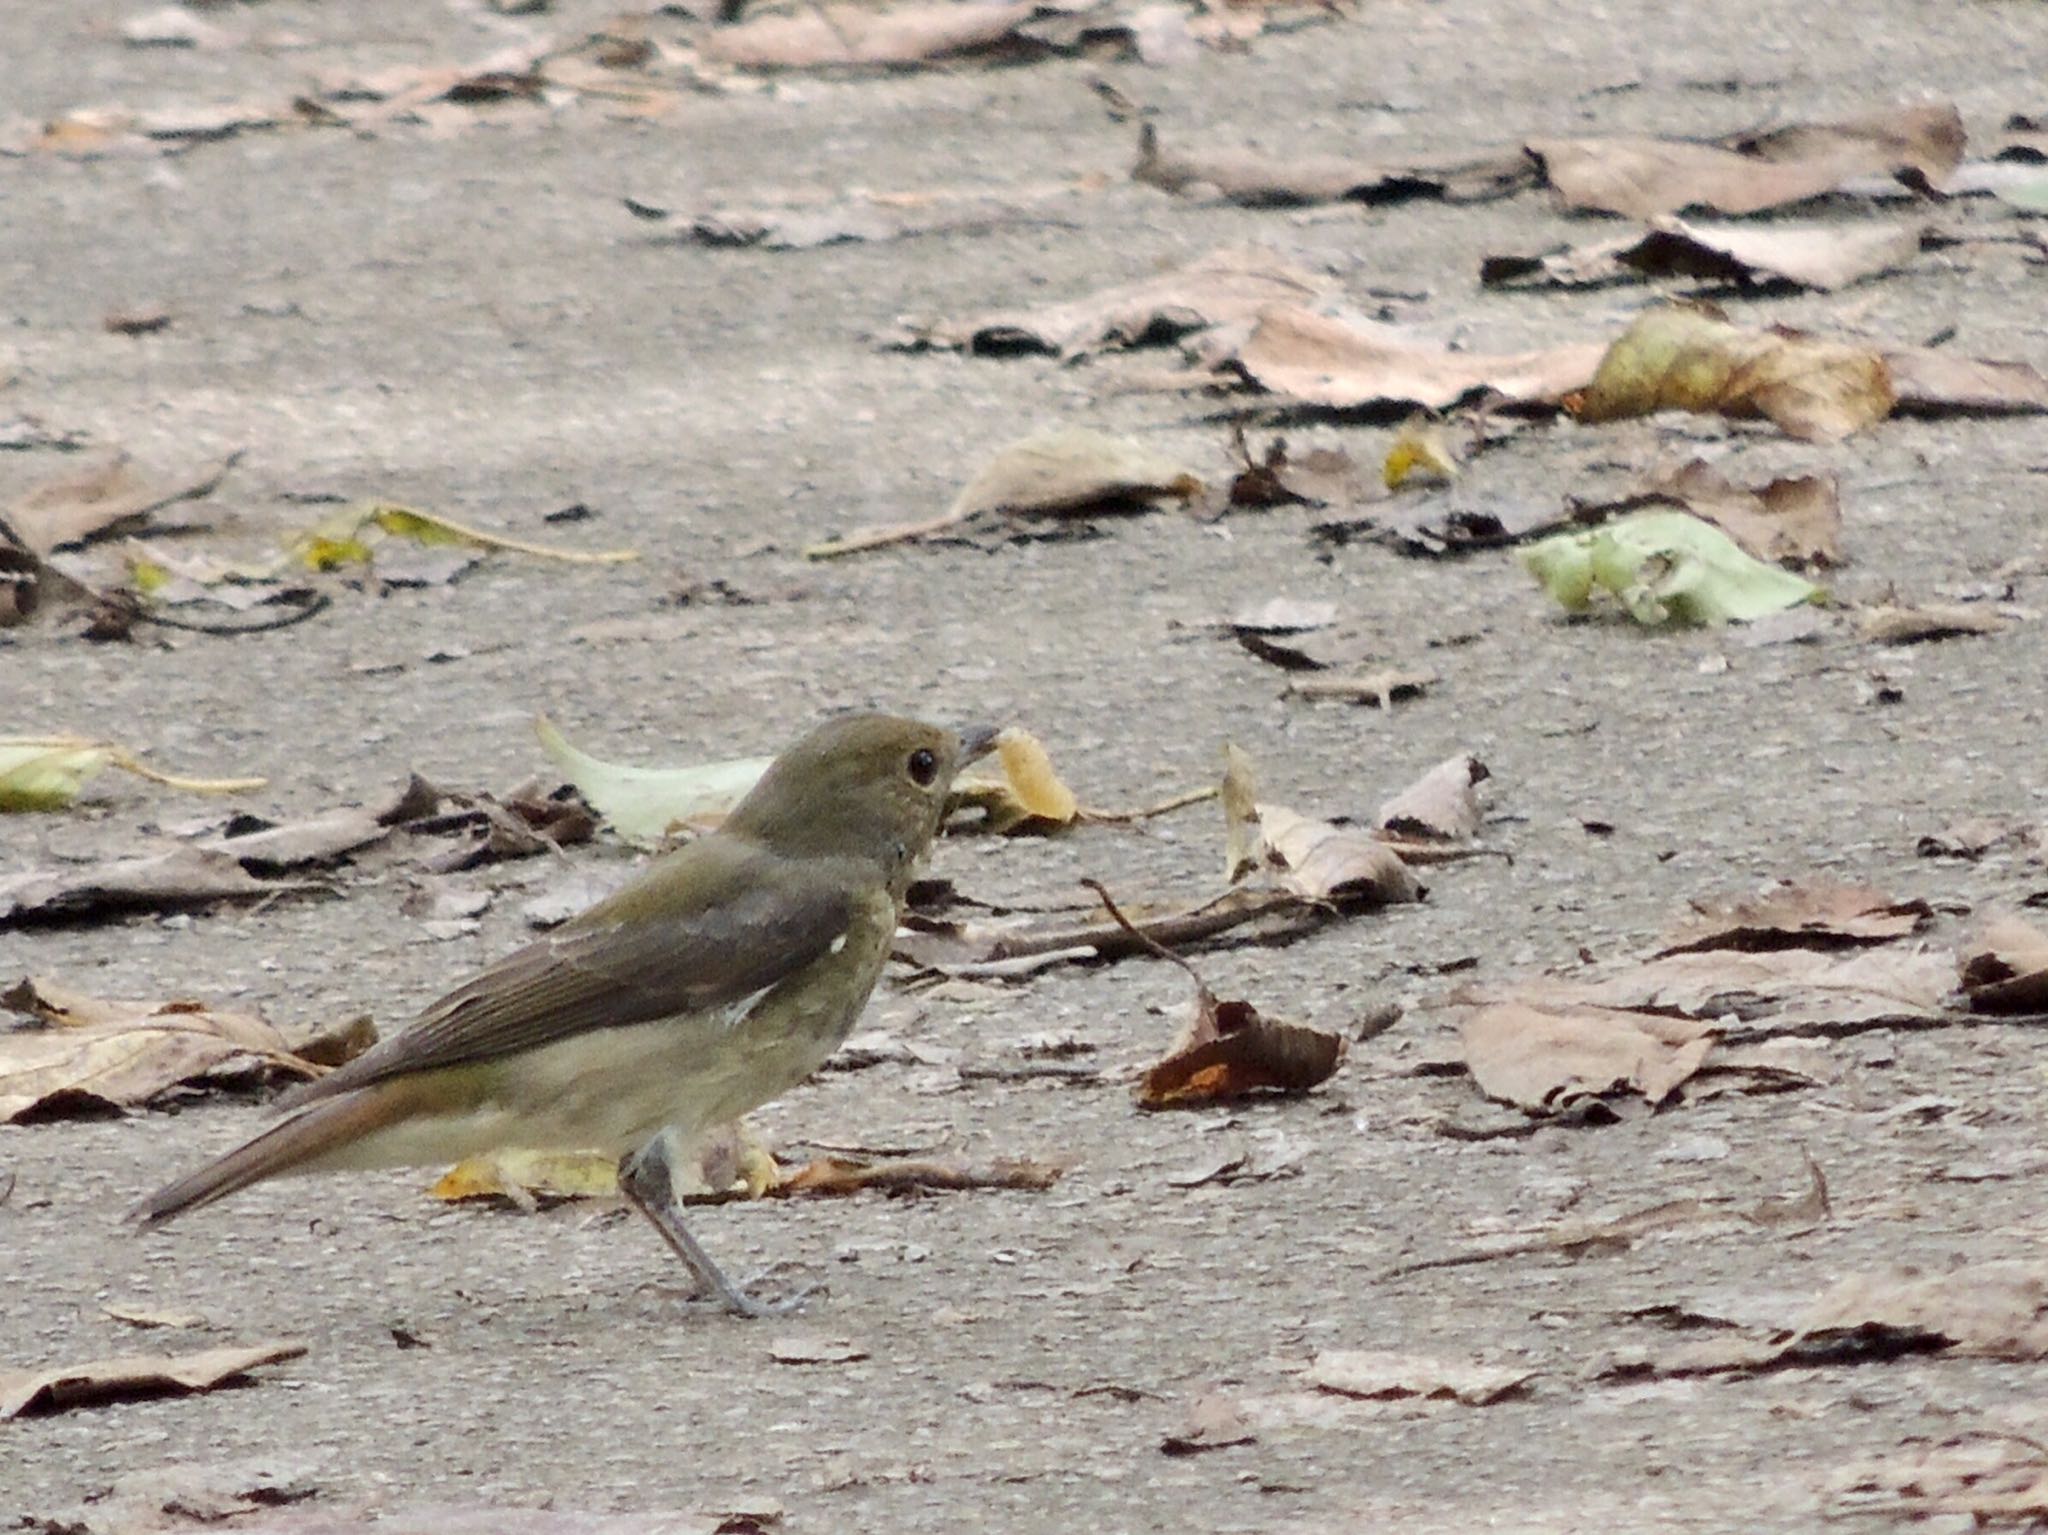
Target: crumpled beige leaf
x=1352, y=363
x=1256, y=180
x=1751, y=172
x=183, y=876
x=1226, y=286
x=853, y=35
x=1989, y=1475
x=131, y=1376
x=1328, y=862
x=1443, y=804
x=1799, y=914
x=1689, y=357
x=1820, y=256
x=81, y=504
x=86, y=1055
x=1899, y=623
x=2005, y=970
x=1550, y=1062
x=1069, y=469
x=1383, y=1373
x=1994, y=1310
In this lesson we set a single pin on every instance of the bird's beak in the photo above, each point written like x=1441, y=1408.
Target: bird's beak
x=977, y=741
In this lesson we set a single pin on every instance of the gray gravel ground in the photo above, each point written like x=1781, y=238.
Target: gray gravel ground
x=472, y=323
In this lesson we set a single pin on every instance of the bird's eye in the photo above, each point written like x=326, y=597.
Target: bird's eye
x=924, y=766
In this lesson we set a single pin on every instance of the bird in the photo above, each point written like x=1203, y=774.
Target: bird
x=719, y=978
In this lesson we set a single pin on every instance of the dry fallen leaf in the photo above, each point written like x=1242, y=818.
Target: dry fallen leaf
x=1328, y=862
x=1384, y=1374
x=1777, y=993
x=1018, y=788
x=1072, y=469
x=1442, y=805
x=1799, y=914
x=1315, y=359
x=1894, y=623
x=1227, y=1050
x=836, y=1175
x=1938, y=384
x=2006, y=969
x=184, y=876
x=1552, y=1062
x=1820, y=256
x=1256, y=180
x=47, y=772
x=1995, y=1310
x=82, y=504
x=128, y=1377
x=84, y=1055
x=1749, y=173
x=1792, y=521
x=1227, y=286
x=1382, y=688
x=1689, y=357
x=856, y=36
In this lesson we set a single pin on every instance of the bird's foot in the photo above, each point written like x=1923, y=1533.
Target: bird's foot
x=747, y=1298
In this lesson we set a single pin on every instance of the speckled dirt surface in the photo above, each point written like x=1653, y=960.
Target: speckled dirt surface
x=472, y=323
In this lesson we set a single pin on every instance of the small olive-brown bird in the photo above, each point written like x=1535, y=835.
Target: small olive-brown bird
x=722, y=976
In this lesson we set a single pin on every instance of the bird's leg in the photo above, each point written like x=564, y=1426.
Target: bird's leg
x=649, y=1186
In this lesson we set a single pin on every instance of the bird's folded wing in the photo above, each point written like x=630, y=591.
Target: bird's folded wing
x=732, y=933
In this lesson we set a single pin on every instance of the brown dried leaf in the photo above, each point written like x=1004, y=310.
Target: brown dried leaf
x=1938, y=384
x=78, y=505
x=1315, y=359
x=1071, y=469
x=132, y=1376
x=856, y=36
x=1642, y=178
x=1213, y=1422
x=1328, y=862
x=184, y=876
x=85, y=1055
x=1785, y=992
x=1549, y=1062
x=834, y=1175
x=1799, y=914
x=1793, y=521
x=1382, y=688
x=1995, y=1310
x=1226, y=287
x=1229, y=1051
x=1821, y=256
x=1226, y=1050
x=1385, y=1375
x=2006, y=969
x=1689, y=357
x=264, y=847
x=1256, y=180
x=1894, y=623
x=1443, y=804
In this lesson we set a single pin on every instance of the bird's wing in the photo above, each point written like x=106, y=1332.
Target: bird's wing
x=709, y=926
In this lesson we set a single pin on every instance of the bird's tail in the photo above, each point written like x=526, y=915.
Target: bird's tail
x=297, y=1143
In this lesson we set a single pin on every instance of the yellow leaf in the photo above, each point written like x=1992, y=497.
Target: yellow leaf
x=1019, y=788
x=47, y=772
x=524, y=1176
x=1420, y=454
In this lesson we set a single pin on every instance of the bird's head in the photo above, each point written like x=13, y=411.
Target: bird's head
x=868, y=786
